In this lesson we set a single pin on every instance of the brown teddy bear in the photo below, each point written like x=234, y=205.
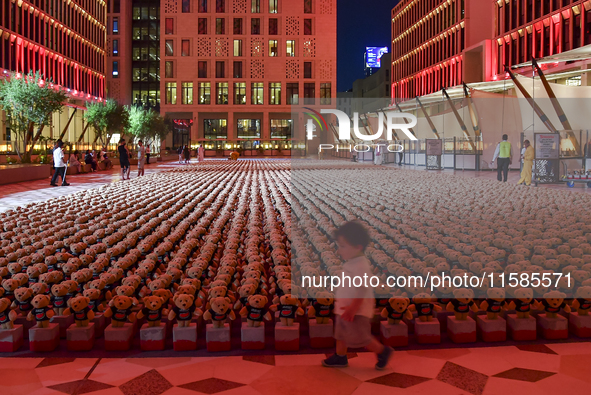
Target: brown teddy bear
x=396, y=310
x=94, y=296
x=7, y=316
x=255, y=311
x=424, y=305
x=524, y=298
x=22, y=300
x=9, y=285
x=120, y=310
x=289, y=308
x=582, y=302
x=153, y=310
x=41, y=311
x=552, y=302
x=244, y=292
x=462, y=303
x=321, y=307
x=219, y=311
x=59, y=298
x=183, y=310
x=494, y=303
x=80, y=306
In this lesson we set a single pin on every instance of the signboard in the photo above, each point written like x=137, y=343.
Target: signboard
x=373, y=56
x=434, y=146
x=547, y=145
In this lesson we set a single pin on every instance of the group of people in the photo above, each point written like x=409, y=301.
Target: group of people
x=185, y=154
x=143, y=157
x=504, y=157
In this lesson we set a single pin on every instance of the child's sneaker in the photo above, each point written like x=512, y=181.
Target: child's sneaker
x=384, y=357
x=336, y=361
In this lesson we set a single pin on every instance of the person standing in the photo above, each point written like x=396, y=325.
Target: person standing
x=180, y=152
x=377, y=155
x=141, y=158
x=186, y=154
x=201, y=153
x=504, y=153
x=59, y=165
x=528, y=163
x=148, y=154
x=124, y=159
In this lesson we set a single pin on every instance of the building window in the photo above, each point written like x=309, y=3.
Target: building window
x=280, y=128
x=307, y=6
x=273, y=26
x=249, y=128
x=187, y=93
x=257, y=93
x=237, y=47
x=238, y=26
x=275, y=93
x=169, y=48
x=326, y=93
x=117, y=6
x=202, y=69
x=238, y=69
x=290, y=48
x=202, y=26
x=273, y=50
x=220, y=6
x=185, y=48
x=116, y=25
x=204, y=93
x=222, y=92
x=255, y=6
x=169, y=69
x=255, y=26
x=115, y=47
x=186, y=6
x=115, y=69
x=215, y=129
x=220, y=26
x=239, y=92
x=309, y=93
x=307, y=69
x=202, y=5
x=293, y=93
x=273, y=9
x=171, y=93
x=220, y=69
x=307, y=27
x=169, y=28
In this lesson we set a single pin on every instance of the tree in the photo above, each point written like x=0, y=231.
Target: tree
x=29, y=102
x=148, y=125
x=106, y=118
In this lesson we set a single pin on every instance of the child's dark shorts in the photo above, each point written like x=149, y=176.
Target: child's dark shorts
x=355, y=334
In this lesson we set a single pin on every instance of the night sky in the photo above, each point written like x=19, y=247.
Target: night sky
x=360, y=24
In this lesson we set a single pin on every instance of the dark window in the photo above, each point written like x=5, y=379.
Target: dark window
x=202, y=69
x=115, y=25
x=309, y=93
x=587, y=27
x=185, y=48
x=202, y=5
x=307, y=27
x=186, y=6
x=115, y=47
x=116, y=6
x=169, y=26
x=307, y=6
x=566, y=34
x=238, y=69
x=169, y=69
x=273, y=22
x=577, y=32
x=255, y=24
x=115, y=69
x=529, y=10
x=220, y=6
x=292, y=93
x=220, y=69
x=202, y=26
x=169, y=48
x=238, y=26
x=220, y=26
x=307, y=69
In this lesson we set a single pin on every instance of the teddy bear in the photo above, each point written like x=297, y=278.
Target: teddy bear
x=59, y=298
x=79, y=306
x=41, y=312
x=494, y=302
x=120, y=310
x=522, y=302
x=462, y=303
x=288, y=308
x=7, y=316
x=582, y=302
x=244, y=292
x=22, y=300
x=9, y=285
x=322, y=307
x=183, y=310
x=396, y=309
x=153, y=310
x=552, y=302
x=94, y=297
x=423, y=304
x=254, y=311
x=219, y=311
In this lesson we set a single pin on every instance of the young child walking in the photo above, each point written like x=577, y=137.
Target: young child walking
x=354, y=306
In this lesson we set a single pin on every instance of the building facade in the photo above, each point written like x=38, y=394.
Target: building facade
x=64, y=41
x=373, y=92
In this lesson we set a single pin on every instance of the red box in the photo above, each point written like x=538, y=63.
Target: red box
x=80, y=338
x=44, y=339
x=11, y=339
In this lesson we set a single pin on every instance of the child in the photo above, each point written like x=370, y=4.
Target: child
x=354, y=307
